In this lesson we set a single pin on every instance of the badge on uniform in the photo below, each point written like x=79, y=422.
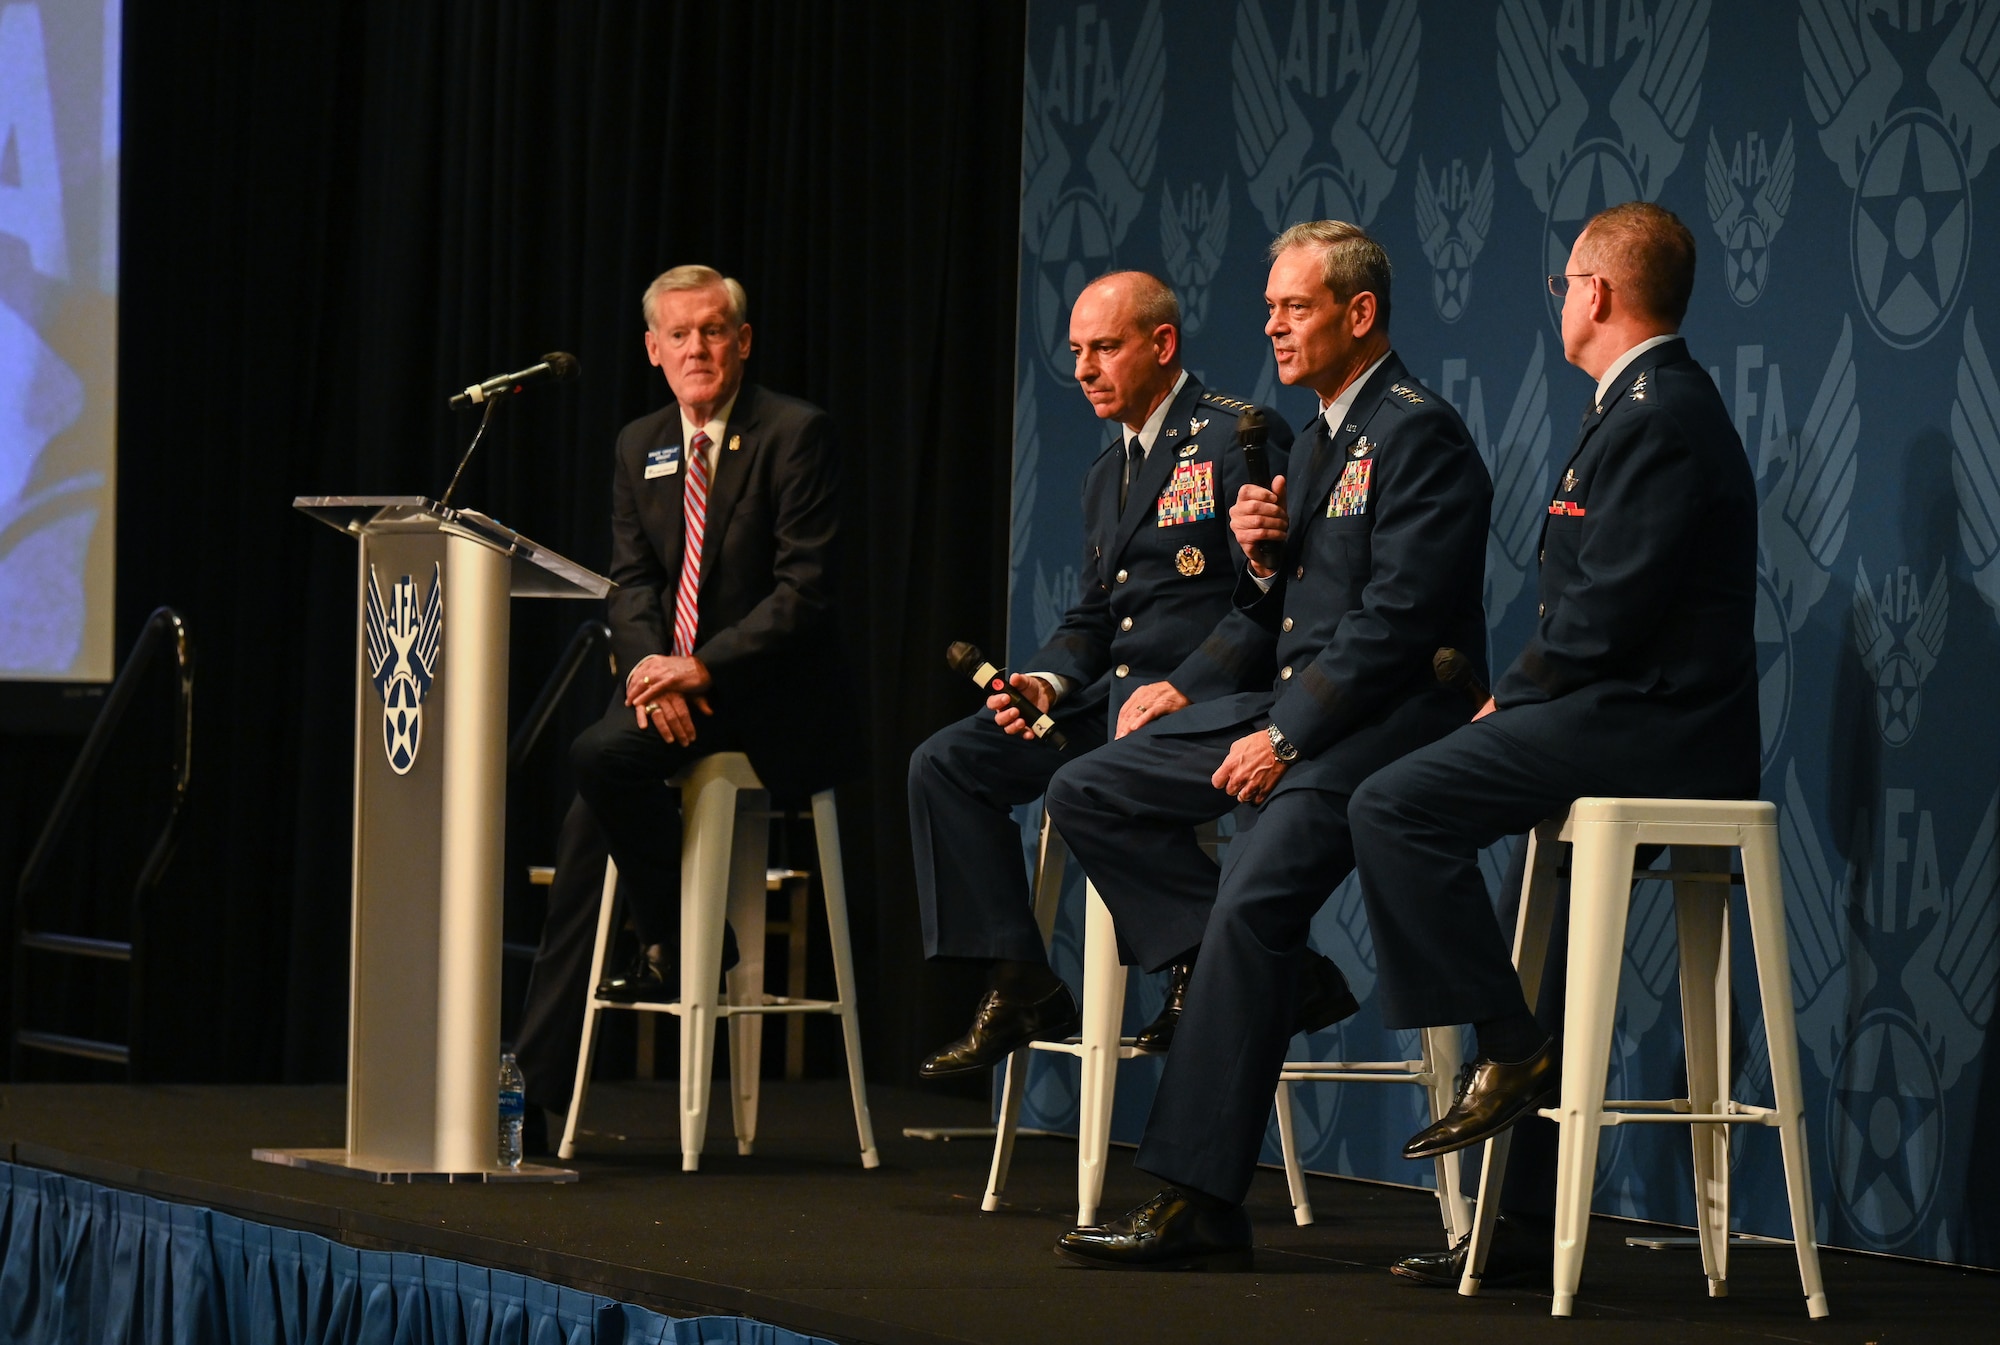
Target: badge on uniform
x=1189, y=561
x=663, y=461
x=1565, y=509
x=1569, y=480
x=1350, y=496
x=1196, y=424
x=1189, y=496
x=1190, y=448
x=735, y=442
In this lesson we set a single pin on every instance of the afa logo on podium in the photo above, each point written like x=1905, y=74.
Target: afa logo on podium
x=1831, y=158
x=404, y=643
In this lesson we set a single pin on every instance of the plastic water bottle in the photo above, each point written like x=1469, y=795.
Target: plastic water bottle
x=513, y=1106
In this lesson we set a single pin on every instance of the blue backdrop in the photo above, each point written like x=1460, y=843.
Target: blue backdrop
x=1832, y=160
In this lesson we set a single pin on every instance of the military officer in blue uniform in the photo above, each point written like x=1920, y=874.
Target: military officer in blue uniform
x=1362, y=567
x=1158, y=569
x=1640, y=678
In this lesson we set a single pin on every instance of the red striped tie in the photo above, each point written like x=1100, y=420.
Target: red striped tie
x=695, y=504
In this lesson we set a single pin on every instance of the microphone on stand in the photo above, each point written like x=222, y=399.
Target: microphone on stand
x=1251, y=432
x=555, y=364
x=966, y=658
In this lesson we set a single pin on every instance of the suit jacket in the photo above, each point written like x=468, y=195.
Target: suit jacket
x=766, y=624
x=1643, y=667
x=1157, y=575
x=1384, y=564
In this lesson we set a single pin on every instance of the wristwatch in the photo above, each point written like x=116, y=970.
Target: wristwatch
x=1281, y=746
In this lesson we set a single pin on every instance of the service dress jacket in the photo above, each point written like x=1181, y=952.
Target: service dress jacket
x=1158, y=575
x=1384, y=565
x=1643, y=666
x=767, y=631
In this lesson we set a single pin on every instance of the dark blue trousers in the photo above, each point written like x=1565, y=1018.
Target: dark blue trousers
x=1126, y=810
x=1419, y=824
x=972, y=886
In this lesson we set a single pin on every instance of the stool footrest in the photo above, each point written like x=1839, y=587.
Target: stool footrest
x=1758, y=1116
x=1318, y=1068
x=771, y=1004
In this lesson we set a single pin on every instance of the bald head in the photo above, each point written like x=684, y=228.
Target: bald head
x=1124, y=332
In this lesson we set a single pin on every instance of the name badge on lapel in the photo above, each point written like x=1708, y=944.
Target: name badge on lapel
x=663, y=461
x=1350, y=494
x=1189, y=496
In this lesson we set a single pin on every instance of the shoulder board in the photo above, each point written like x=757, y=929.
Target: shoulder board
x=1229, y=404
x=1407, y=393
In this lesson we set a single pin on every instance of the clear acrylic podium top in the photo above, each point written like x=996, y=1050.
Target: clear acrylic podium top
x=536, y=572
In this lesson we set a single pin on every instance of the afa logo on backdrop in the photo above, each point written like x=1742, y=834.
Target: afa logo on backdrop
x=1518, y=460
x=1749, y=190
x=1322, y=122
x=1904, y=97
x=1453, y=214
x=1597, y=109
x=403, y=649
x=1090, y=136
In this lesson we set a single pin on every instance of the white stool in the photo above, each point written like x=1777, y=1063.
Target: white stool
x=722, y=869
x=1100, y=1045
x=1604, y=833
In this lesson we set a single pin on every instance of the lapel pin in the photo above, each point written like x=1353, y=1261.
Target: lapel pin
x=735, y=442
x=1569, y=480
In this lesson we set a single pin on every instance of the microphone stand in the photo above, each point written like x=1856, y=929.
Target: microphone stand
x=484, y=421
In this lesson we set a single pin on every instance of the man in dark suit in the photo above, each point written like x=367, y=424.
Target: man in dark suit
x=1158, y=568
x=724, y=512
x=1361, y=568
x=1640, y=678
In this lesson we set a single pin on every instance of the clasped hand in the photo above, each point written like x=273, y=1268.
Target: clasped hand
x=662, y=688
x=1259, y=515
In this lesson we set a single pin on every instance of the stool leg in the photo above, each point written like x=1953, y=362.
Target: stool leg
x=1533, y=924
x=1013, y=1086
x=1103, y=1022
x=607, y=912
x=1049, y=862
x=833, y=879
x=1600, y=895
x=795, y=978
x=1701, y=912
x=1288, y=1145
x=1442, y=1057
x=709, y=813
x=748, y=912
x=1765, y=892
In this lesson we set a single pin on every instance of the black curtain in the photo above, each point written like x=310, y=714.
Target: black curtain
x=336, y=213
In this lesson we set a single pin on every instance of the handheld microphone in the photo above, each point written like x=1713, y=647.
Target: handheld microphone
x=1454, y=669
x=1251, y=432
x=555, y=364
x=966, y=658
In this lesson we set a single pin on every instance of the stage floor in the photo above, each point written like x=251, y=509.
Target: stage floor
x=800, y=1236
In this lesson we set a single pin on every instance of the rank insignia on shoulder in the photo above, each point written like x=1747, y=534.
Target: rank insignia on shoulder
x=1407, y=394
x=1190, y=448
x=1196, y=424
x=1189, y=561
x=1639, y=388
x=1226, y=403
x=1569, y=480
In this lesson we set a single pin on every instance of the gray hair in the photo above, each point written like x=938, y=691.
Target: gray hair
x=1350, y=261
x=696, y=278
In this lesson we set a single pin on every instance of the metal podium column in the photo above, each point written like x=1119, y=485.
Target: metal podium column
x=474, y=811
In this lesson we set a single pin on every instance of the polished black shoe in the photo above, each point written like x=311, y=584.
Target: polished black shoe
x=1491, y=1096
x=1001, y=1027
x=1518, y=1256
x=1324, y=998
x=1158, y=1035
x=1172, y=1231
x=645, y=981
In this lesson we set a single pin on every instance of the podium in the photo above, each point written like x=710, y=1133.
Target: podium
x=430, y=781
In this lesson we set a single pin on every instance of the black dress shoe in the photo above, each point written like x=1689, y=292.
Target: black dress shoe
x=1001, y=1027
x=1175, y=1230
x=645, y=981
x=1491, y=1096
x=1158, y=1035
x=1517, y=1256
x=1324, y=998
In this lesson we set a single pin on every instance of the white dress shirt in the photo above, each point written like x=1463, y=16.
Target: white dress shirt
x=713, y=429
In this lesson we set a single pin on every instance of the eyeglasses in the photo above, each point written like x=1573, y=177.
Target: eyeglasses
x=1559, y=285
